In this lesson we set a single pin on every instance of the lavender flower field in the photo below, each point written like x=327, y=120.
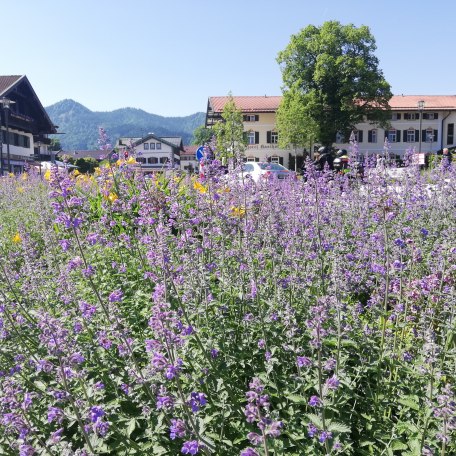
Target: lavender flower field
x=175, y=315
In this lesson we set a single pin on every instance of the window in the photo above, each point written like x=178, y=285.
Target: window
x=253, y=137
x=152, y=160
x=396, y=116
x=140, y=160
x=247, y=168
x=429, y=135
x=251, y=117
x=358, y=135
x=158, y=146
x=409, y=135
x=274, y=159
x=372, y=136
x=152, y=146
x=393, y=135
x=272, y=137
x=450, y=134
x=411, y=116
x=163, y=160
x=146, y=146
x=430, y=115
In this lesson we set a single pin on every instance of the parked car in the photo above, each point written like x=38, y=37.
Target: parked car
x=262, y=171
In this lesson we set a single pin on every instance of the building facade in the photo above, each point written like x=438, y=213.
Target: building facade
x=259, y=118
x=24, y=123
x=153, y=153
x=424, y=123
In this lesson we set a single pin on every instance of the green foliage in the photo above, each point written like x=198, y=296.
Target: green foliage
x=333, y=72
x=77, y=122
x=229, y=132
x=202, y=135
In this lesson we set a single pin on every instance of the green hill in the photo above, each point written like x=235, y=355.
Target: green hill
x=80, y=126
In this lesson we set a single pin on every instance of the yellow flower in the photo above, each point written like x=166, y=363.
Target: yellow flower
x=17, y=238
x=47, y=175
x=237, y=211
x=97, y=171
x=119, y=162
x=20, y=189
x=112, y=197
x=24, y=176
x=131, y=161
x=200, y=187
x=76, y=173
x=11, y=174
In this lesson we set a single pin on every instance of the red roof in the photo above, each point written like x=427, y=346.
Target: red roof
x=270, y=104
x=190, y=150
x=430, y=101
x=6, y=82
x=247, y=104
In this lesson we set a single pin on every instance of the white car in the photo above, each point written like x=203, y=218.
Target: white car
x=262, y=171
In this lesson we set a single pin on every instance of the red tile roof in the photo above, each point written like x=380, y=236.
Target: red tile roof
x=190, y=150
x=247, y=104
x=270, y=104
x=6, y=82
x=430, y=101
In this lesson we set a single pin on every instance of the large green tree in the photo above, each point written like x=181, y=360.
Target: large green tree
x=333, y=72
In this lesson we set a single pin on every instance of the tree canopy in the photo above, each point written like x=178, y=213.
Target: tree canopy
x=333, y=73
x=229, y=132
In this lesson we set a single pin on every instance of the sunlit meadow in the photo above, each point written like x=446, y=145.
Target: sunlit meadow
x=178, y=315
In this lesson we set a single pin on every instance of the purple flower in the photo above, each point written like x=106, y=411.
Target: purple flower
x=214, y=353
x=54, y=414
x=190, y=447
x=26, y=450
x=177, y=429
x=303, y=361
x=324, y=435
x=165, y=402
x=261, y=343
x=255, y=439
x=315, y=401
x=102, y=428
x=196, y=401
x=332, y=383
x=249, y=452
x=96, y=413
x=116, y=296
x=312, y=430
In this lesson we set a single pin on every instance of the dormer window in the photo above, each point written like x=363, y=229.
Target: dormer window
x=251, y=117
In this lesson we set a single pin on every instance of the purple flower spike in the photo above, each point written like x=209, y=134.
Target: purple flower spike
x=190, y=447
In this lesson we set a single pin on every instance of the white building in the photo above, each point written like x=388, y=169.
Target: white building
x=153, y=153
x=423, y=122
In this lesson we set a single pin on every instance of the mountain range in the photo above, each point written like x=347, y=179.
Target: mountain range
x=78, y=125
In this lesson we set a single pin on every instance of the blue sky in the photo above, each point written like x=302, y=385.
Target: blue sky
x=167, y=57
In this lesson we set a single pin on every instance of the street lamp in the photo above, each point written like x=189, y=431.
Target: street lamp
x=6, y=102
x=420, y=107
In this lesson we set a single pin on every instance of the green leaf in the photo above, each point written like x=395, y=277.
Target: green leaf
x=410, y=403
x=336, y=426
x=398, y=445
x=315, y=419
x=296, y=398
x=131, y=427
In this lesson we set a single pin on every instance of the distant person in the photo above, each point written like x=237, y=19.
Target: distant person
x=324, y=158
x=446, y=157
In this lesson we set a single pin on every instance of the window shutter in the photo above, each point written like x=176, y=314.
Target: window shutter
x=417, y=135
x=257, y=117
x=360, y=136
x=268, y=137
x=245, y=136
x=425, y=115
x=257, y=137
x=398, y=136
x=369, y=136
x=281, y=161
x=436, y=134
x=244, y=118
x=398, y=116
x=436, y=115
x=423, y=135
